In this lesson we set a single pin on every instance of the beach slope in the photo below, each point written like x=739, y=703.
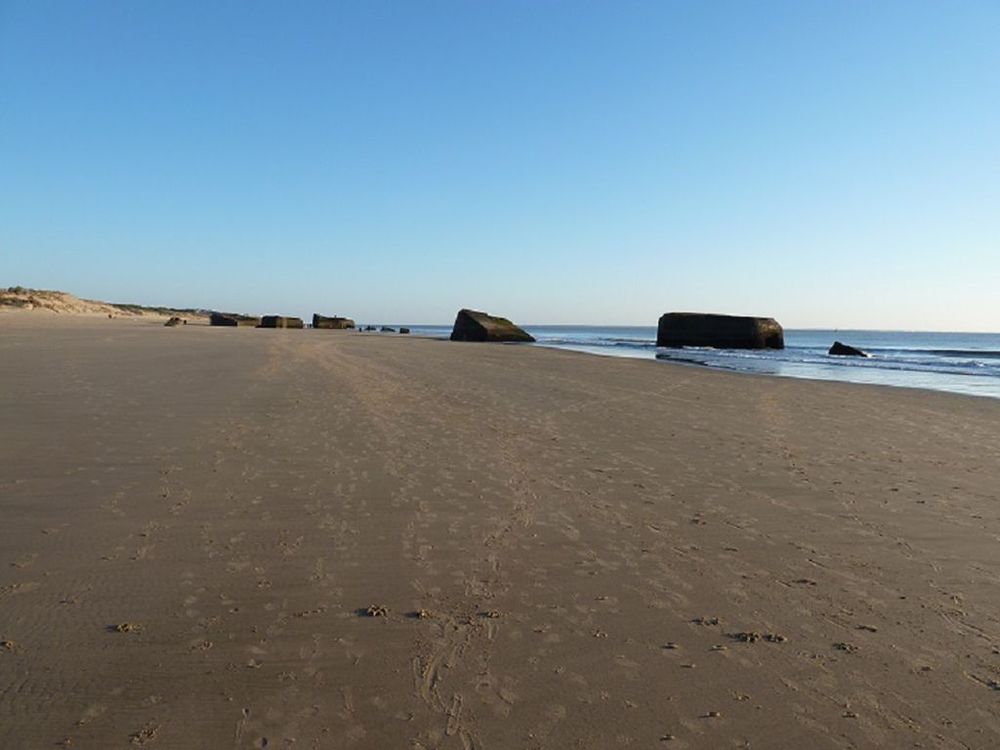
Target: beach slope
x=244, y=538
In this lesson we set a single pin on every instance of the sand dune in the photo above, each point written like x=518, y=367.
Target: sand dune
x=239, y=538
x=23, y=300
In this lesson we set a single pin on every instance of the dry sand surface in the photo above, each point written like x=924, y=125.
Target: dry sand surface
x=559, y=550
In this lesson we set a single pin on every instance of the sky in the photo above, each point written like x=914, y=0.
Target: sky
x=833, y=164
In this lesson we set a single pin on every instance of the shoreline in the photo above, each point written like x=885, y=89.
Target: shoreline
x=732, y=371
x=47, y=317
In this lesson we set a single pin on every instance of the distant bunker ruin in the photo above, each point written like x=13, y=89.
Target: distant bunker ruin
x=232, y=319
x=332, y=323
x=678, y=329
x=279, y=321
x=472, y=325
x=845, y=350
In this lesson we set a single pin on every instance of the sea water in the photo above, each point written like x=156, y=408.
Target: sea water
x=966, y=363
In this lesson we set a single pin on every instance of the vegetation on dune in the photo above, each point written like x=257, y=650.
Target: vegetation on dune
x=26, y=297
x=141, y=309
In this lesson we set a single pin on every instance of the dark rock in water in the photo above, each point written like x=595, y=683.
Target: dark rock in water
x=471, y=325
x=371, y=328
x=403, y=329
x=388, y=329
x=719, y=331
x=278, y=321
x=175, y=321
x=843, y=350
x=335, y=322
x=232, y=319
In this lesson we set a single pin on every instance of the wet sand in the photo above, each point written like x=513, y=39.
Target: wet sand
x=237, y=538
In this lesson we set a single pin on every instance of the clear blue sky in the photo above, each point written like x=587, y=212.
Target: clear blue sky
x=833, y=164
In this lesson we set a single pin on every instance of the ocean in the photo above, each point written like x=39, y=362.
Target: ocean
x=967, y=363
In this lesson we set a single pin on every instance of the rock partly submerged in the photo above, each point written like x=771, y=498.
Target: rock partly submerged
x=280, y=321
x=844, y=350
x=719, y=331
x=472, y=325
x=233, y=320
x=334, y=322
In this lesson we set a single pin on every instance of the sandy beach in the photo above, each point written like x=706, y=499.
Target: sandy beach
x=238, y=538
